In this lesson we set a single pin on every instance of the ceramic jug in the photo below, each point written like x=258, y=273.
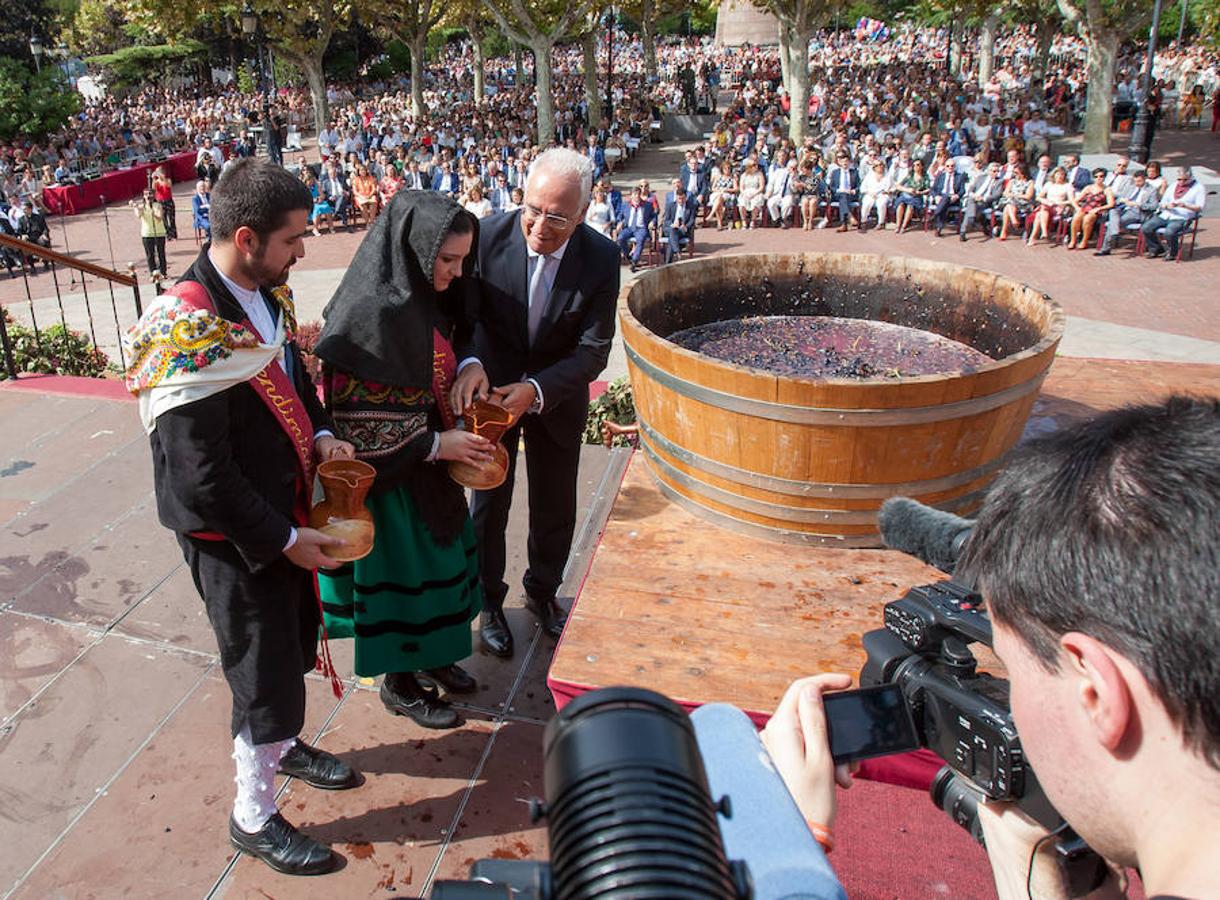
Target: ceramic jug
x=342, y=514
x=489, y=420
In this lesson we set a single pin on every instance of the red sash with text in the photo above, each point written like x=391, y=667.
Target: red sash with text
x=279, y=395
x=444, y=373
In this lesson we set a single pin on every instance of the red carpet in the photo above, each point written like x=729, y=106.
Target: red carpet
x=71, y=386
x=891, y=842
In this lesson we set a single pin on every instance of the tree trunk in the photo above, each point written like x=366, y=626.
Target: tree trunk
x=987, y=48
x=783, y=58
x=1103, y=53
x=1046, y=37
x=592, y=95
x=798, y=84
x=648, y=30
x=518, y=65
x=480, y=89
x=956, y=46
x=312, y=67
x=546, y=100
x=418, y=48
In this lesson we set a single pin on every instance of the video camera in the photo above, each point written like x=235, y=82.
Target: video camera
x=628, y=809
x=960, y=714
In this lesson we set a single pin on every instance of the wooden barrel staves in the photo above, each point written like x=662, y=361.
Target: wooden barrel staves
x=811, y=460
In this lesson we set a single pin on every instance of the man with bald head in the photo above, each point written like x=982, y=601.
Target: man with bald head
x=548, y=288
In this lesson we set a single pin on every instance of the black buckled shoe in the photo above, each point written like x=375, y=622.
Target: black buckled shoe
x=454, y=679
x=402, y=695
x=550, y=615
x=319, y=769
x=494, y=636
x=284, y=848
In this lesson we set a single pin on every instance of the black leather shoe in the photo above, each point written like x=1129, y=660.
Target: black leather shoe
x=1104, y=251
x=317, y=768
x=284, y=848
x=550, y=615
x=454, y=679
x=494, y=635
x=402, y=695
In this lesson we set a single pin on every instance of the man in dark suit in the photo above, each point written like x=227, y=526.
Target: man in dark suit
x=694, y=178
x=843, y=182
x=446, y=180
x=546, y=321
x=983, y=195
x=948, y=188
x=233, y=456
x=637, y=218
x=680, y=215
x=1078, y=176
x=332, y=185
x=34, y=229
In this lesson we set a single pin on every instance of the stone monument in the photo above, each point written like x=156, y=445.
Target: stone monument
x=741, y=22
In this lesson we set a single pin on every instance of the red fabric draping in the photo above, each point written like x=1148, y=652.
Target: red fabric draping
x=117, y=186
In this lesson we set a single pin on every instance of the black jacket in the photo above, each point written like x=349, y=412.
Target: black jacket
x=573, y=340
x=223, y=463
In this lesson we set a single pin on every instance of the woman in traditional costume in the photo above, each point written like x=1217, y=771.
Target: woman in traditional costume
x=388, y=369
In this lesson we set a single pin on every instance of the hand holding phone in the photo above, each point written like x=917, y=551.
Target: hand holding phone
x=797, y=742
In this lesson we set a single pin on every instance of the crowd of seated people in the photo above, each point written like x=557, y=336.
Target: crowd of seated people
x=896, y=142
x=865, y=186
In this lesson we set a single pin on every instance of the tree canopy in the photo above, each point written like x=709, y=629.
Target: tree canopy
x=33, y=104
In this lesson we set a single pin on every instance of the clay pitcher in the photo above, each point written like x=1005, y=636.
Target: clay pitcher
x=489, y=420
x=342, y=514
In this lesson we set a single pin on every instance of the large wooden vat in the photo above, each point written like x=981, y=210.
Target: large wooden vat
x=811, y=461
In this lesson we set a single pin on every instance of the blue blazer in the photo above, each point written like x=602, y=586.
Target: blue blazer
x=833, y=181
x=700, y=174
x=941, y=187
x=648, y=214
x=439, y=183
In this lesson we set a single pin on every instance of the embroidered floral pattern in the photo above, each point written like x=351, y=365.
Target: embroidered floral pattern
x=283, y=297
x=345, y=390
x=378, y=434
x=170, y=340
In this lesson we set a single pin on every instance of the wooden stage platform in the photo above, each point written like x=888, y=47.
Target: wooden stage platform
x=701, y=614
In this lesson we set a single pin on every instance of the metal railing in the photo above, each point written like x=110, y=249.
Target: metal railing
x=25, y=253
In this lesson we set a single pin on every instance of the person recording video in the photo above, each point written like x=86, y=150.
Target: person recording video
x=151, y=216
x=1097, y=552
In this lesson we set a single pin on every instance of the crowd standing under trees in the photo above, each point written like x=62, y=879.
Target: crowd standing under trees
x=880, y=98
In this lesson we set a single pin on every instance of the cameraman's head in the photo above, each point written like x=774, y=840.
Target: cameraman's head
x=1098, y=552
x=259, y=216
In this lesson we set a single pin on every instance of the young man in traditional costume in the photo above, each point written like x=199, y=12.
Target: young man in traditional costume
x=236, y=430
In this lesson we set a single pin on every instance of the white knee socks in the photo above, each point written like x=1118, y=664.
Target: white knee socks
x=256, y=766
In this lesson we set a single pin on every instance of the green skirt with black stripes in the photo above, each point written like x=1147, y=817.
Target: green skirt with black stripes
x=409, y=603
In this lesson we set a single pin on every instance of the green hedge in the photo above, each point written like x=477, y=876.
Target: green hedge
x=53, y=351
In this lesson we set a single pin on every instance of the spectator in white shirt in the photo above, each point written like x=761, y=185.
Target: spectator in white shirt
x=1180, y=206
x=875, y=188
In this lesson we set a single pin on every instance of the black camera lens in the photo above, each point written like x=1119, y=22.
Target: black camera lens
x=959, y=800
x=628, y=808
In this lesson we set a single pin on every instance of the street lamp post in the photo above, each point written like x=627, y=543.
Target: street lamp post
x=1140, y=131
x=37, y=50
x=249, y=27
x=609, y=22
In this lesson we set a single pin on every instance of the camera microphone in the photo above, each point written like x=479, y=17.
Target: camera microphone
x=929, y=534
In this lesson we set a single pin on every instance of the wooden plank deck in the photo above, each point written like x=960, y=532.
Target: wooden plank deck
x=675, y=604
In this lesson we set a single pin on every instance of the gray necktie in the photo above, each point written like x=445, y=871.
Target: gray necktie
x=539, y=292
